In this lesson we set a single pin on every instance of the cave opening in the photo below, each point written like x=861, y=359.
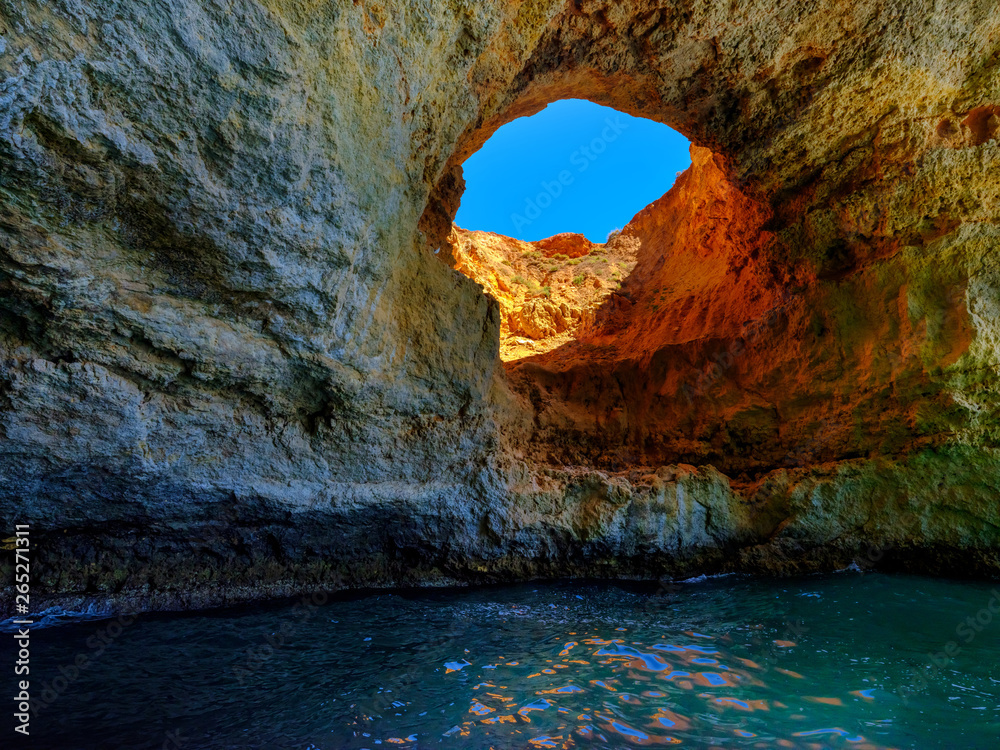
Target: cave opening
x=541, y=220
x=575, y=166
x=647, y=345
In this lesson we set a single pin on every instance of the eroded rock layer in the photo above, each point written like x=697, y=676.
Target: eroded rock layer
x=549, y=291
x=232, y=364
x=711, y=352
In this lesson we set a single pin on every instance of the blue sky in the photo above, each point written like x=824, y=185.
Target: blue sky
x=573, y=167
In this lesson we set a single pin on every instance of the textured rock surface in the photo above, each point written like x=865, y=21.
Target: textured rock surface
x=231, y=365
x=712, y=354
x=549, y=291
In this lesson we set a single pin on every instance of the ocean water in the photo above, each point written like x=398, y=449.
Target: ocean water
x=849, y=660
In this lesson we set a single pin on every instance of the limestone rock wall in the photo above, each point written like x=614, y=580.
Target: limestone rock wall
x=713, y=353
x=212, y=285
x=848, y=410
x=232, y=365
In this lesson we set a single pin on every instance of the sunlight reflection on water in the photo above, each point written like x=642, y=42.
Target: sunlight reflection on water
x=824, y=662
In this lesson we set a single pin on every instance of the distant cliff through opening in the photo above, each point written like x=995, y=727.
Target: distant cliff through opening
x=541, y=218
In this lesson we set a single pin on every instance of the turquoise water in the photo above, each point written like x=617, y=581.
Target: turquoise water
x=839, y=661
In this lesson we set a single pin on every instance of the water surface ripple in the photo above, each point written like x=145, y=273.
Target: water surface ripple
x=843, y=661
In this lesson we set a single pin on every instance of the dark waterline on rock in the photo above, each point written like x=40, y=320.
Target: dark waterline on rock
x=845, y=660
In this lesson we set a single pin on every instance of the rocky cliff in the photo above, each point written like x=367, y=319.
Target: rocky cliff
x=234, y=365
x=549, y=291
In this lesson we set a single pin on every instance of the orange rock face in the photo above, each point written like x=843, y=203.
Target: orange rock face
x=696, y=276
x=569, y=244
x=707, y=350
x=549, y=290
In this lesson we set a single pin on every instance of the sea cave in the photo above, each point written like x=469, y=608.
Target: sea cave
x=293, y=455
